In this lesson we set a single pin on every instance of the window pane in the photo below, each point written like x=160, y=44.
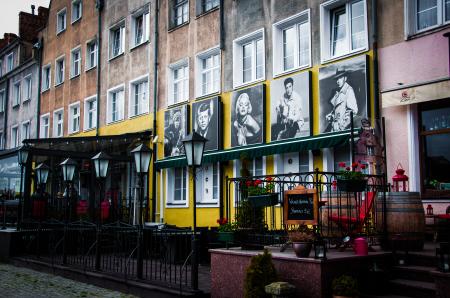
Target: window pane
x=259, y=58
x=339, y=32
x=247, y=62
x=258, y=166
x=437, y=158
x=303, y=31
x=426, y=13
x=358, y=27
x=288, y=48
x=341, y=154
x=447, y=10
x=436, y=119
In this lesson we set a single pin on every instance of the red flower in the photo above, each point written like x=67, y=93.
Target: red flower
x=219, y=221
x=257, y=182
x=363, y=167
x=342, y=164
x=249, y=183
x=354, y=165
x=347, y=168
x=269, y=179
x=334, y=183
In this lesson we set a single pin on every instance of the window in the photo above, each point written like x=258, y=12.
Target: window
x=74, y=117
x=75, y=62
x=59, y=71
x=1, y=141
x=77, y=10
x=117, y=40
x=295, y=162
x=46, y=77
x=58, y=123
x=115, y=104
x=180, y=12
x=256, y=167
x=61, y=21
x=248, y=58
x=139, y=103
x=25, y=134
x=27, y=87
x=177, y=187
x=2, y=101
x=343, y=28
x=140, y=27
x=203, y=6
x=422, y=15
x=178, y=82
x=208, y=185
x=9, y=62
x=292, y=43
x=208, y=72
x=16, y=94
x=91, y=54
x=341, y=154
x=14, y=136
x=90, y=113
x=45, y=125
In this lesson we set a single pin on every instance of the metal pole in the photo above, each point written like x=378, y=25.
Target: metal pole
x=194, y=264
x=68, y=190
x=99, y=229
x=22, y=203
x=139, y=238
x=352, y=140
x=4, y=215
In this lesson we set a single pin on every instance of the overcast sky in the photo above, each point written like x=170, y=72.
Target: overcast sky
x=9, y=20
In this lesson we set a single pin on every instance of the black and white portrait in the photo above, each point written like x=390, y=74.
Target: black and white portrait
x=343, y=89
x=205, y=121
x=247, y=116
x=289, y=107
x=175, y=129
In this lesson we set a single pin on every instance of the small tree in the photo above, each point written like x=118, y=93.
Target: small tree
x=260, y=273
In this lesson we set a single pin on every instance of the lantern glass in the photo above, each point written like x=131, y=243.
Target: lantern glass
x=142, y=155
x=101, y=162
x=68, y=169
x=23, y=155
x=194, y=145
x=42, y=171
x=320, y=249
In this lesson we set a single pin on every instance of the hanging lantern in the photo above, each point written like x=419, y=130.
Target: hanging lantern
x=400, y=180
x=429, y=210
x=320, y=249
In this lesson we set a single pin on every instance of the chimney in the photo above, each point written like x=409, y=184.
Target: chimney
x=32, y=9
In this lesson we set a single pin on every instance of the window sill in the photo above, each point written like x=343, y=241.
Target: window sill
x=75, y=21
x=73, y=132
x=26, y=101
x=178, y=27
x=204, y=96
x=117, y=56
x=429, y=31
x=347, y=55
x=115, y=122
x=45, y=90
x=138, y=45
x=75, y=76
x=89, y=129
x=291, y=71
x=207, y=204
x=16, y=106
x=247, y=84
x=138, y=115
x=204, y=13
x=90, y=68
x=59, y=84
x=176, y=205
x=180, y=103
x=60, y=32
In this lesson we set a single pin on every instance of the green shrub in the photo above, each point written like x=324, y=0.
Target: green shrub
x=345, y=286
x=260, y=273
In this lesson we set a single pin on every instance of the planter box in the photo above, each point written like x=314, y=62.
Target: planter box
x=351, y=185
x=227, y=237
x=266, y=200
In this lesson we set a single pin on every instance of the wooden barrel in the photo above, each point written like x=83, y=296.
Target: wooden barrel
x=405, y=220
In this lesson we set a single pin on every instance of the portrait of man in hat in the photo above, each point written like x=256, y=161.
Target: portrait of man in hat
x=174, y=132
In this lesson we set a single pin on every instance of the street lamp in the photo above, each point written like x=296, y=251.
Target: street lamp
x=142, y=155
x=42, y=171
x=22, y=159
x=194, y=146
x=68, y=170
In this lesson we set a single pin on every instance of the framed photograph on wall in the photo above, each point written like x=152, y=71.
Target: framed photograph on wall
x=206, y=120
x=175, y=129
x=247, y=116
x=343, y=89
x=290, y=107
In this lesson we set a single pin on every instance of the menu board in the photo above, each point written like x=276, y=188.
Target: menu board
x=301, y=206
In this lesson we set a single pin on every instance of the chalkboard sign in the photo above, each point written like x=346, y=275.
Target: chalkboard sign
x=301, y=206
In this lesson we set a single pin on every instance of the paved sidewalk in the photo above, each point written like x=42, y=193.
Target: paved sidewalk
x=27, y=283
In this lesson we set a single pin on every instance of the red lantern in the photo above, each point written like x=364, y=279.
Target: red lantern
x=104, y=206
x=82, y=207
x=400, y=180
x=429, y=210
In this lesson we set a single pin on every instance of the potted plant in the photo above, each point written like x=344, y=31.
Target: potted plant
x=302, y=240
x=345, y=286
x=226, y=230
x=351, y=179
x=261, y=193
x=259, y=273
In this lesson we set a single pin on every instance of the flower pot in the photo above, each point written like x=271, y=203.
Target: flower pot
x=225, y=237
x=270, y=199
x=302, y=249
x=349, y=185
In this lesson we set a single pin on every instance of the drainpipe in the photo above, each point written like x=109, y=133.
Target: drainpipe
x=99, y=5
x=447, y=35
x=375, y=59
x=5, y=125
x=155, y=102
x=39, y=46
x=222, y=26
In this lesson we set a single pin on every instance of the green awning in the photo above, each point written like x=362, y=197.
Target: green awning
x=309, y=143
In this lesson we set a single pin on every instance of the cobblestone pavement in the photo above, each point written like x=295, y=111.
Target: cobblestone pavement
x=27, y=283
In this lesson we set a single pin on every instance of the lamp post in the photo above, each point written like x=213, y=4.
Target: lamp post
x=194, y=146
x=101, y=163
x=22, y=159
x=142, y=155
x=68, y=167
x=41, y=171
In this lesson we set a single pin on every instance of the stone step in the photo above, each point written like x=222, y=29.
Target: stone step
x=412, y=288
x=413, y=272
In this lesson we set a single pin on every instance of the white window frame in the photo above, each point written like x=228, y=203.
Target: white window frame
x=410, y=15
x=120, y=105
x=44, y=68
x=277, y=42
x=27, y=88
x=122, y=29
x=9, y=62
x=145, y=14
x=17, y=93
x=74, y=2
x=25, y=134
x=55, y=123
x=174, y=12
x=144, y=109
x=72, y=117
x=44, y=130
x=75, y=71
x=88, y=100
x=326, y=10
x=15, y=142
x=58, y=29
x=204, y=203
x=238, y=44
x=60, y=58
x=87, y=65
x=170, y=189
x=199, y=72
x=2, y=100
x=170, y=90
